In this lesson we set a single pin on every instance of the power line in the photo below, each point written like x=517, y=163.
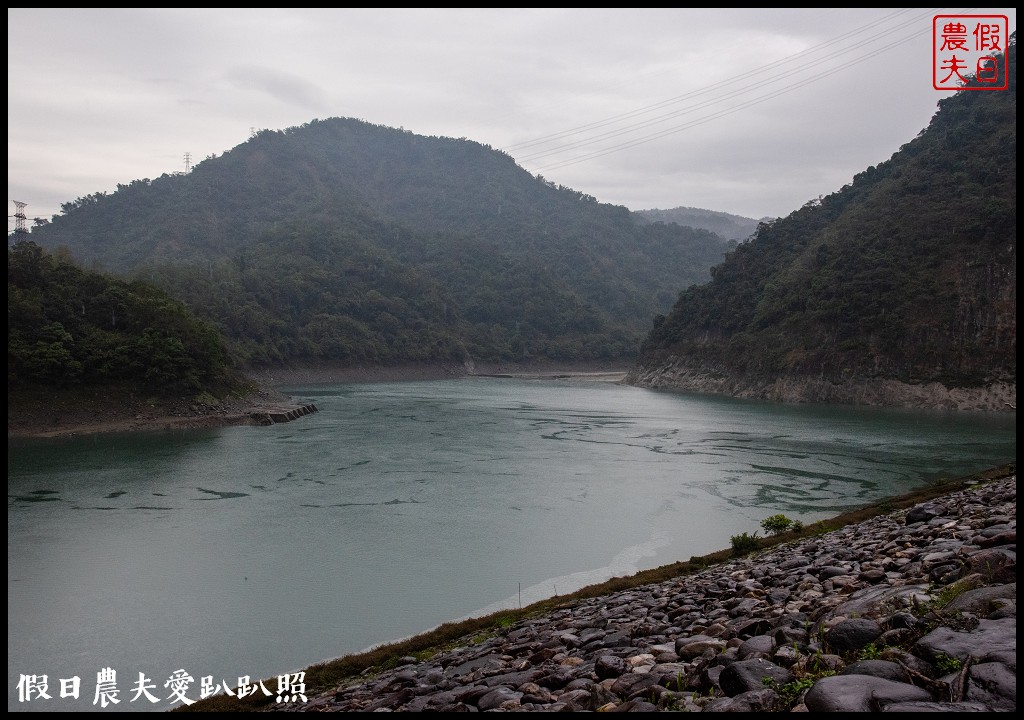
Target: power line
x=703, y=120
x=685, y=111
x=648, y=123
x=701, y=91
x=635, y=127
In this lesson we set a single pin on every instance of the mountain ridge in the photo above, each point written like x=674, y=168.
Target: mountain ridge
x=349, y=242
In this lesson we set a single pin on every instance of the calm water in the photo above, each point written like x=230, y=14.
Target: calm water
x=255, y=551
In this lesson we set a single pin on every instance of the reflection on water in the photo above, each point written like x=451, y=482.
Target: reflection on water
x=252, y=551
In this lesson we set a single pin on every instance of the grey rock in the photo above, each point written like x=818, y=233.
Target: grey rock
x=997, y=564
x=627, y=684
x=878, y=668
x=993, y=684
x=989, y=636
x=762, y=645
x=636, y=706
x=924, y=512
x=982, y=600
x=695, y=649
x=609, y=666
x=745, y=675
x=860, y=693
x=763, y=700
x=853, y=634
x=936, y=707
x=497, y=697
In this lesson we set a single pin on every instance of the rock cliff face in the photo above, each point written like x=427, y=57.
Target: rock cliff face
x=673, y=373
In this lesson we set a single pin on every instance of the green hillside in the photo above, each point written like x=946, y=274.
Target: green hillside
x=908, y=273
x=354, y=243
x=69, y=328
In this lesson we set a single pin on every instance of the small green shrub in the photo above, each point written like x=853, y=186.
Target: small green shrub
x=776, y=524
x=870, y=652
x=744, y=543
x=791, y=691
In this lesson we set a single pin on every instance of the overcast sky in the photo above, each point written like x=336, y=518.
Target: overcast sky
x=752, y=112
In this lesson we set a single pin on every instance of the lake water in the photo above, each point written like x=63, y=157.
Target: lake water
x=258, y=550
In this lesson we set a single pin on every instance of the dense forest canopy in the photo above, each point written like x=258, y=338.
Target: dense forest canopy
x=355, y=243
x=67, y=327
x=908, y=273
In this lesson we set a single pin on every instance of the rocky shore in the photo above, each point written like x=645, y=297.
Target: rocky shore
x=674, y=373
x=53, y=415
x=906, y=612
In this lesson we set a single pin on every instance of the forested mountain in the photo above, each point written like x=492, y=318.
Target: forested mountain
x=728, y=226
x=907, y=274
x=355, y=243
x=68, y=328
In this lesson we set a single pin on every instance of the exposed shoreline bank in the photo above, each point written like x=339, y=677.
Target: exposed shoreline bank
x=322, y=373
x=105, y=413
x=59, y=415
x=90, y=412
x=673, y=373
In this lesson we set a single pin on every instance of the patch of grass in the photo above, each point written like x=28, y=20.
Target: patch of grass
x=792, y=691
x=948, y=664
x=823, y=526
x=869, y=652
x=948, y=593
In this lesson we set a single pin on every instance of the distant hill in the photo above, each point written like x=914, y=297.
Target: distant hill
x=906, y=276
x=355, y=243
x=730, y=227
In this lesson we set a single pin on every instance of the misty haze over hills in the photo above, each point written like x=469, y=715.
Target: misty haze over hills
x=730, y=227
